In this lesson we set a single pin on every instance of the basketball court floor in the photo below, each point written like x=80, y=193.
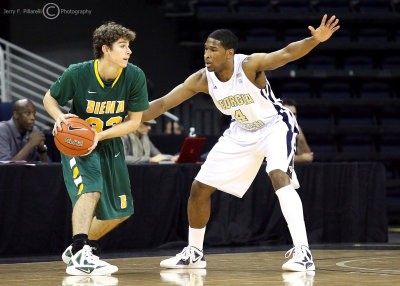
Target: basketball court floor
x=350, y=264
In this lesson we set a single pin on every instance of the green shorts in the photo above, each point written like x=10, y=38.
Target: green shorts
x=105, y=171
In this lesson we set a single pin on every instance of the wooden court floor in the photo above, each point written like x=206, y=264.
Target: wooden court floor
x=334, y=267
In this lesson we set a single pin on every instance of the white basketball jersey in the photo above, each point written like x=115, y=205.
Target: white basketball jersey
x=249, y=105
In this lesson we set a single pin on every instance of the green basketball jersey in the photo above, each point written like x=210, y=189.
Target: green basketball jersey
x=103, y=104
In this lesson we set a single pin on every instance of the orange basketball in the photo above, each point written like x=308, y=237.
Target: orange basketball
x=75, y=138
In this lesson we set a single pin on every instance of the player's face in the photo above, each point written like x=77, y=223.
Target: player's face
x=120, y=52
x=215, y=55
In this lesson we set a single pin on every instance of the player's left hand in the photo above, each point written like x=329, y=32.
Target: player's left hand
x=326, y=29
x=95, y=141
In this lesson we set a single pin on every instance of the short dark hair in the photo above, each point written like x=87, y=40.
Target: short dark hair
x=226, y=37
x=107, y=34
x=289, y=102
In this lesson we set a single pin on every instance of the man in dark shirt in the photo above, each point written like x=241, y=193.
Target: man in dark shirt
x=20, y=139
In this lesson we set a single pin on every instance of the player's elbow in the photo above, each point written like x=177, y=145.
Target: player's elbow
x=133, y=125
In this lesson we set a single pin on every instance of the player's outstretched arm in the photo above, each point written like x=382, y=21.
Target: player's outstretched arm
x=295, y=50
x=194, y=84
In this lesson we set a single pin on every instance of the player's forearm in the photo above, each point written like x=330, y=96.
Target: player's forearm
x=301, y=48
x=155, y=110
x=119, y=130
x=51, y=105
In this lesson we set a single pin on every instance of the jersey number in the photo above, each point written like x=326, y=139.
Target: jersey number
x=98, y=124
x=123, y=201
x=240, y=116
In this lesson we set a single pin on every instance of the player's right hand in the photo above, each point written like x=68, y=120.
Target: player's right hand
x=62, y=119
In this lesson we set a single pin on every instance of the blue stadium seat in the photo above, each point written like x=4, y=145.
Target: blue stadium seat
x=344, y=35
x=321, y=143
x=332, y=6
x=261, y=34
x=253, y=5
x=356, y=116
x=357, y=143
x=6, y=110
x=373, y=35
x=391, y=63
x=375, y=90
x=293, y=6
x=358, y=63
x=295, y=90
x=335, y=90
x=389, y=143
x=296, y=34
x=373, y=6
x=212, y=6
x=320, y=63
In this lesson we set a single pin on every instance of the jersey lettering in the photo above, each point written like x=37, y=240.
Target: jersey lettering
x=105, y=107
x=235, y=100
x=253, y=125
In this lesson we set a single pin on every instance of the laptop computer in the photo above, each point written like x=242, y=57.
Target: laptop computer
x=191, y=150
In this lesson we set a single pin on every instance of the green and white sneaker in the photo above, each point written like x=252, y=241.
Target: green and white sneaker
x=67, y=254
x=85, y=263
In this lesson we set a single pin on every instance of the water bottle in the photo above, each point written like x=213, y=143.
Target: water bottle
x=192, y=132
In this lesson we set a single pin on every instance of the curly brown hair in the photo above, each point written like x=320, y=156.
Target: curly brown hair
x=107, y=34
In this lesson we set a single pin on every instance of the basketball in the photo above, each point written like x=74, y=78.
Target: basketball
x=75, y=138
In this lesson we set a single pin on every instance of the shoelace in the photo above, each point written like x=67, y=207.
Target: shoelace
x=87, y=252
x=185, y=252
x=296, y=250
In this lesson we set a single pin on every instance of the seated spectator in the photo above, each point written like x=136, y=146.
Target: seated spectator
x=303, y=151
x=139, y=148
x=173, y=127
x=20, y=139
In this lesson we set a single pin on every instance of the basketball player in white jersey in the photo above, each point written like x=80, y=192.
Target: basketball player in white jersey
x=261, y=128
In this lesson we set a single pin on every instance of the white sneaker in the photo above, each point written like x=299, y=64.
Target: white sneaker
x=190, y=257
x=301, y=261
x=184, y=277
x=67, y=254
x=90, y=281
x=85, y=263
x=298, y=278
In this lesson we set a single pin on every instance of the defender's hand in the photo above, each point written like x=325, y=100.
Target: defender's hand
x=326, y=29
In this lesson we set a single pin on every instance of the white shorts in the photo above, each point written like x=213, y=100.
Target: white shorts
x=235, y=160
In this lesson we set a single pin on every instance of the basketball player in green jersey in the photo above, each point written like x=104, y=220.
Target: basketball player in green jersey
x=103, y=92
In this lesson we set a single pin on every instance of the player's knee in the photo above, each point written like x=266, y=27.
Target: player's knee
x=122, y=219
x=200, y=190
x=92, y=195
x=279, y=179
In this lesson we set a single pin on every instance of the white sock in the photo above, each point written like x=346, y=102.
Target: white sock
x=292, y=210
x=196, y=237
